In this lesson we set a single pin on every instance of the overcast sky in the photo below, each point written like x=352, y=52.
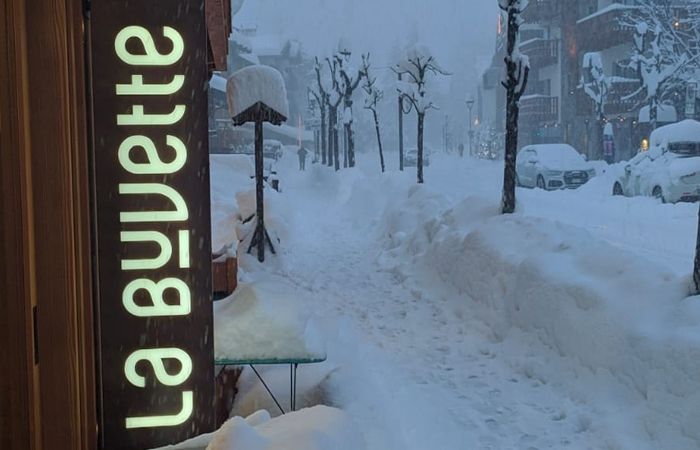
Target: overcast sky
x=460, y=32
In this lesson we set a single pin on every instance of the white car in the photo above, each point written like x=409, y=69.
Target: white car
x=670, y=170
x=552, y=166
x=411, y=157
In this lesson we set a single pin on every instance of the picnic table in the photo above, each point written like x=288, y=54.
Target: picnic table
x=293, y=365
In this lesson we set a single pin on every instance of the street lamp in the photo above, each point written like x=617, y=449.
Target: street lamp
x=470, y=105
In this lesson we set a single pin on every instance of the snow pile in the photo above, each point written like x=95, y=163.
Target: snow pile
x=230, y=174
x=685, y=131
x=254, y=84
x=608, y=309
x=265, y=320
x=317, y=428
x=234, y=202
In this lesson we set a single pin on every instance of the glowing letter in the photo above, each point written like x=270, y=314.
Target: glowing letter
x=155, y=165
x=156, y=357
x=179, y=215
x=184, y=241
x=165, y=421
x=151, y=56
x=137, y=86
x=166, y=250
x=157, y=291
x=138, y=117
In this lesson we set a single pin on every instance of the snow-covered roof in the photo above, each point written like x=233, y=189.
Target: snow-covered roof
x=685, y=131
x=664, y=113
x=251, y=58
x=218, y=83
x=607, y=9
x=254, y=84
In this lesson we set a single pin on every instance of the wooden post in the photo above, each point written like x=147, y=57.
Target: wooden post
x=400, y=130
x=259, y=191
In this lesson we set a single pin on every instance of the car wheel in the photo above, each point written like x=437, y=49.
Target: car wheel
x=657, y=192
x=540, y=183
x=617, y=190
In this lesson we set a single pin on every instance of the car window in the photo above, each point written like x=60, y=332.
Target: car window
x=686, y=149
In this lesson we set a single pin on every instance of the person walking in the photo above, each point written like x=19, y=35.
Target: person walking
x=302, y=157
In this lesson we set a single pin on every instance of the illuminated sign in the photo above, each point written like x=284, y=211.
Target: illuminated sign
x=151, y=178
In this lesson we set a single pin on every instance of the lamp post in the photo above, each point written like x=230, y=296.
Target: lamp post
x=470, y=106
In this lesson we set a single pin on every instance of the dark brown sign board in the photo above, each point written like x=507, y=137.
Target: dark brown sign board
x=152, y=221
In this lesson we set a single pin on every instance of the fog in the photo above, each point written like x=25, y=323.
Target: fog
x=461, y=34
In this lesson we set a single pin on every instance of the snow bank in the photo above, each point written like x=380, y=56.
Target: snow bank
x=265, y=320
x=233, y=201
x=608, y=309
x=317, y=428
x=254, y=84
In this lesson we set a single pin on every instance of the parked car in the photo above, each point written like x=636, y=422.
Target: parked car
x=669, y=170
x=272, y=149
x=552, y=166
x=410, y=159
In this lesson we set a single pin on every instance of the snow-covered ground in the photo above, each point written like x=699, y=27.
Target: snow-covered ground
x=448, y=326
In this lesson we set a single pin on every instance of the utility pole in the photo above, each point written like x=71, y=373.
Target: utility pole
x=400, y=129
x=470, y=105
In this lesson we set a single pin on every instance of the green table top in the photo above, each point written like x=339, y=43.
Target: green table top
x=246, y=362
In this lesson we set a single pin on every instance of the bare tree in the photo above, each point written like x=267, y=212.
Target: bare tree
x=335, y=98
x=322, y=99
x=418, y=64
x=374, y=96
x=349, y=81
x=597, y=86
x=517, y=72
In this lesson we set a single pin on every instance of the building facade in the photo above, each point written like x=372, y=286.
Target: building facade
x=557, y=36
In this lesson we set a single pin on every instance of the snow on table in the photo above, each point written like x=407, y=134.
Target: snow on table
x=265, y=321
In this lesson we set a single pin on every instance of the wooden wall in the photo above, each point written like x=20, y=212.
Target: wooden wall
x=45, y=230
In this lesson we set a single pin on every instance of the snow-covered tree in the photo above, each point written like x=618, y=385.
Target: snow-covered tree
x=517, y=72
x=597, y=86
x=417, y=65
x=335, y=98
x=373, y=97
x=665, y=50
x=321, y=95
x=350, y=79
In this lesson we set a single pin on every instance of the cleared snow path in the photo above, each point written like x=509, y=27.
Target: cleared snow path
x=422, y=373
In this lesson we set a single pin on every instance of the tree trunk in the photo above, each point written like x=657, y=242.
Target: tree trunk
x=345, y=146
x=331, y=121
x=421, y=122
x=696, y=269
x=515, y=87
x=351, y=146
x=653, y=113
x=509, y=175
x=400, y=130
x=379, y=140
x=324, y=148
x=336, y=146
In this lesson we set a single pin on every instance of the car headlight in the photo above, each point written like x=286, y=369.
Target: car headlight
x=553, y=173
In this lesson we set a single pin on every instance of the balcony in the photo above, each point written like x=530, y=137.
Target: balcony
x=542, y=52
x=538, y=110
x=619, y=101
x=541, y=11
x=604, y=29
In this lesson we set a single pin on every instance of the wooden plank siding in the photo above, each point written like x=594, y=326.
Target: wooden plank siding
x=218, y=14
